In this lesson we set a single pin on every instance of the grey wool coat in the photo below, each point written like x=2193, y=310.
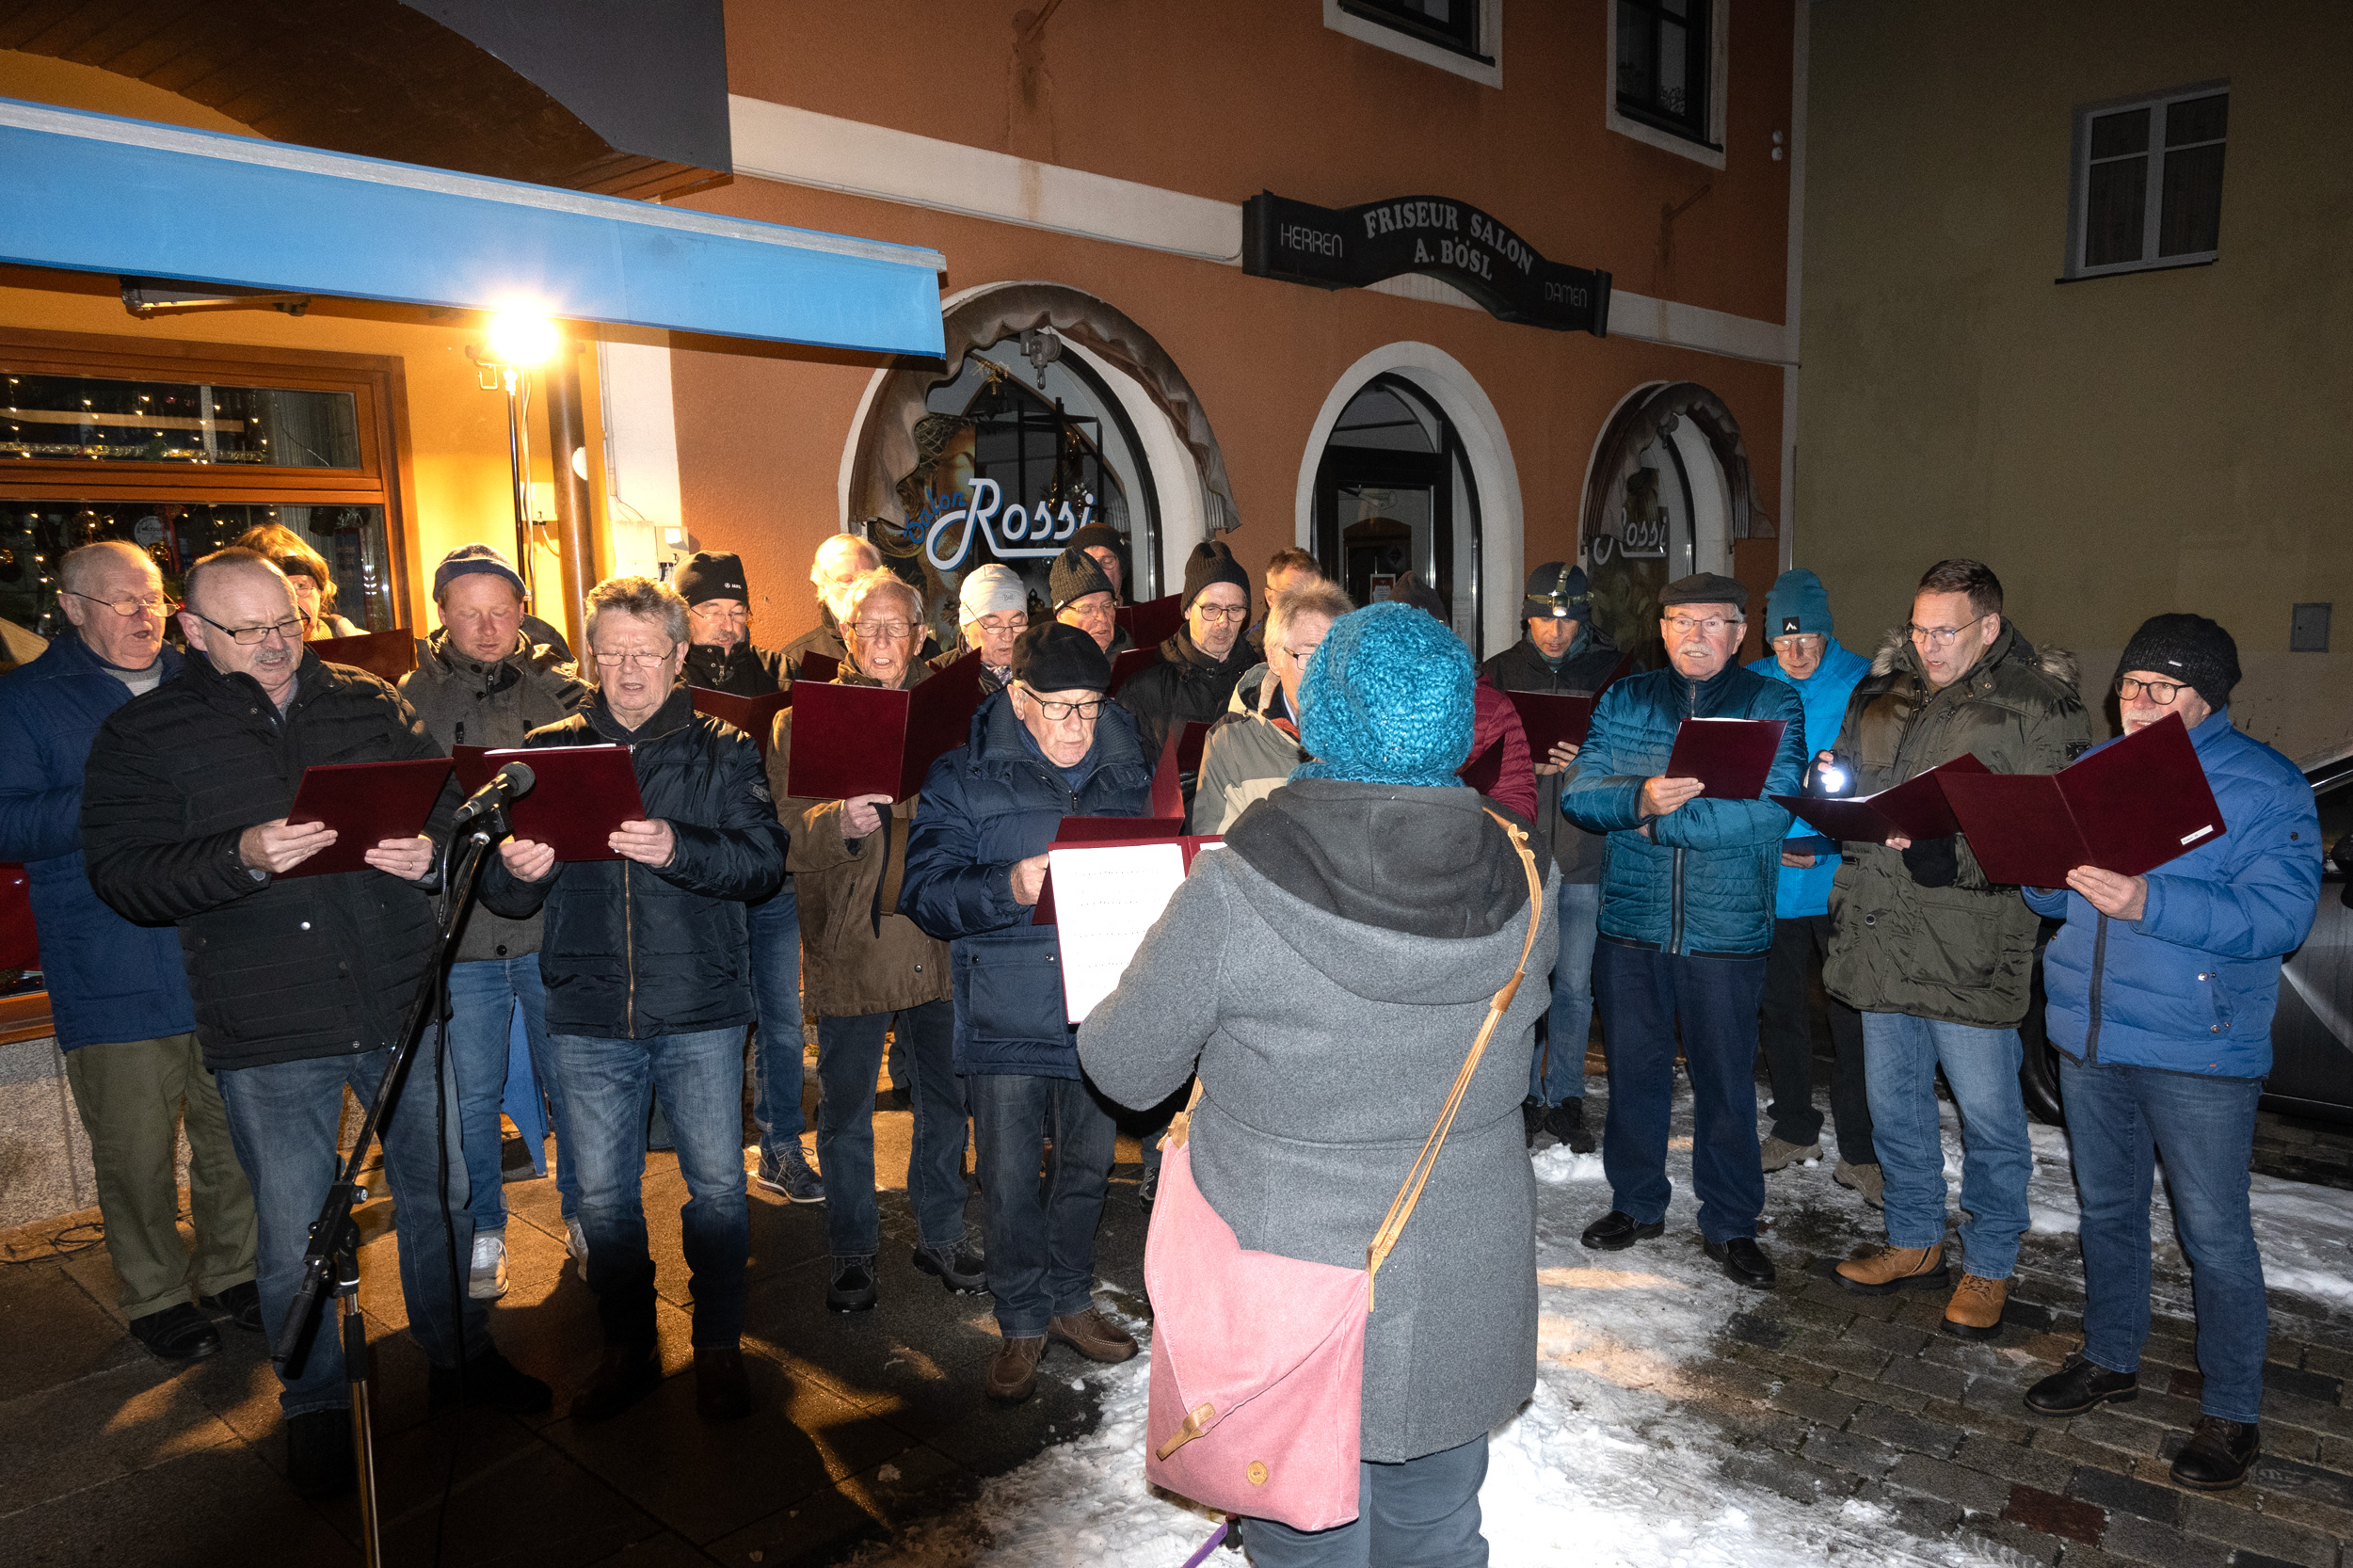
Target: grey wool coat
x=1327, y=974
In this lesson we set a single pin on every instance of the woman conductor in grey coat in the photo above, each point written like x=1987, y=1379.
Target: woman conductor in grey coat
x=1326, y=976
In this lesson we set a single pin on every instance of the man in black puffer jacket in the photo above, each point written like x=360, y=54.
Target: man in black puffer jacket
x=301, y=983
x=647, y=967
x=1201, y=665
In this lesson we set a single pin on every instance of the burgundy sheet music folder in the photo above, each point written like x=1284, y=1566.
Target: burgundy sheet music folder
x=1732, y=757
x=365, y=803
x=1916, y=808
x=2128, y=809
x=1131, y=664
x=387, y=655
x=866, y=741
x=579, y=794
x=1552, y=718
x=1152, y=622
x=755, y=717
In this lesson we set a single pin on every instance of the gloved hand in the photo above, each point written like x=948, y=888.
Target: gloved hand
x=1933, y=862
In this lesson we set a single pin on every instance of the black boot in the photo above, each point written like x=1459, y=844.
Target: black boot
x=490, y=1382
x=627, y=1374
x=2078, y=1385
x=2218, y=1455
x=852, y=1287
x=319, y=1460
x=1566, y=1122
x=1618, y=1230
x=1532, y=1115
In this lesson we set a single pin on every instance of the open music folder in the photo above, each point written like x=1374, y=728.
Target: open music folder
x=1916, y=808
x=579, y=794
x=2128, y=807
x=365, y=803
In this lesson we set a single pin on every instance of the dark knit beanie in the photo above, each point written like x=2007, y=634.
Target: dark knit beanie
x=1074, y=575
x=1214, y=562
x=1053, y=657
x=1101, y=535
x=712, y=574
x=1556, y=590
x=2189, y=648
x=1704, y=587
x=1386, y=700
x=468, y=559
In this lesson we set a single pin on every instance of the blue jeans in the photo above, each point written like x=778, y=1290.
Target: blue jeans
x=1424, y=1511
x=608, y=1086
x=1646, y=997
x=849, y=1058
x=2119, y=1119
x=1041, y=1256
x=778, y=1046
x=482, y=997
x=1557, y=1072
x=1900, y=1055
x=285, y=1119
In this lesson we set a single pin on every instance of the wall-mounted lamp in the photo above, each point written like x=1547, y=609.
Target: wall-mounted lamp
x=517, y=344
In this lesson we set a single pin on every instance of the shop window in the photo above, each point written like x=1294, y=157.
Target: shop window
x=181, y=453
x=1449, y=23
x=1395, y=499
x=2148, y=183
x=1667, y=74
x=1464, y=37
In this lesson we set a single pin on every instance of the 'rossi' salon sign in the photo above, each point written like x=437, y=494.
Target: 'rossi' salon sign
x=1348, y=248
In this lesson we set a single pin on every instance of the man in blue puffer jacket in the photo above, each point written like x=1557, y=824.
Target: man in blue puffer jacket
x=1049, y=747
x=1809, y=656
x=2162, y=989
x=1687, y=915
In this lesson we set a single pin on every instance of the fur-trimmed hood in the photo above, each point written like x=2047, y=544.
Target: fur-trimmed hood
x=1895, y=651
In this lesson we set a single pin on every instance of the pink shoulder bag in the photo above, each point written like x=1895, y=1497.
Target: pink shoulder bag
x=1258, y=1360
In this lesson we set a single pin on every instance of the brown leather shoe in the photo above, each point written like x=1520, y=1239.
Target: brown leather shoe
x=1012, y=1371
x=1092, y=1335
x=1881, y=1271
x=1976, y=1310
x=627, y=1374
x=722, y=1391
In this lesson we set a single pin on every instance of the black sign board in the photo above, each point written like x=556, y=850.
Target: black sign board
x=1347, y=248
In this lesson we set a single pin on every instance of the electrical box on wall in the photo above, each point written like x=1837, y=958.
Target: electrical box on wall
x=2308, y=629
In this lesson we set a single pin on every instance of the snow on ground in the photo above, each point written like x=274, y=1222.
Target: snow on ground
x=1614, y=1461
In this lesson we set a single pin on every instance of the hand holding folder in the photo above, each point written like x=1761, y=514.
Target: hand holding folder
x=1731, y=758
x=365, y=804
x=2128, y=809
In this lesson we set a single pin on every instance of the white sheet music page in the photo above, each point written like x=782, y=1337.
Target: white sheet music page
x=1105, y=899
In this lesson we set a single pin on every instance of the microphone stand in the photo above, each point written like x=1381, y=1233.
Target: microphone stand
x=331, y=1261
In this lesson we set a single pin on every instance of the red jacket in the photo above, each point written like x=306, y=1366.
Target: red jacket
x=1498, y=721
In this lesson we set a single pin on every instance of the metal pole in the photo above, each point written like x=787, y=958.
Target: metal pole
x=518, y=470
x=575, y=518
x=362, y=1433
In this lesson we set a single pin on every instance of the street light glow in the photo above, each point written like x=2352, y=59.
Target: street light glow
x=522, y=341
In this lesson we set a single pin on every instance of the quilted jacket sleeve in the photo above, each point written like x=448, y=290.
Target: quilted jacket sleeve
x=950, y=891
x=41, y=817
x=1727, y=824
x=2265, y=907
x=1602, y=794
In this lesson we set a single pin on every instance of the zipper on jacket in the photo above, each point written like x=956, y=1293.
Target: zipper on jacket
x=1674, y=875
x=629, y=950
x=2098, y=972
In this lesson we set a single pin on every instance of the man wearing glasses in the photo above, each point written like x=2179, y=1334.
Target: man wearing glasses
x=1048, y=747
x=993, y=610
x=1687, y=916
x=301, y=984
x=1201, y=663
x=1937, y=959
x=1084, y=596
x=116, y=990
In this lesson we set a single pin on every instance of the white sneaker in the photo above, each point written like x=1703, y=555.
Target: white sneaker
x=486, y=1282
x=576, y=1243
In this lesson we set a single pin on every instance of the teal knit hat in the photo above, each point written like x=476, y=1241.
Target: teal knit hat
x=1386, y=700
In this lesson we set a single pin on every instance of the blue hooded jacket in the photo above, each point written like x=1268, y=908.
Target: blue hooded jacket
x=1805, y=890
x=2192, y=984
x=109, y=981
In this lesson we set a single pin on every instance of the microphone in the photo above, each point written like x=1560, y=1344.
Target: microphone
x=509, y=784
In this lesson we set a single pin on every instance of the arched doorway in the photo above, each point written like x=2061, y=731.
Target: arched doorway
x=1669, y=491
x=1395, y=498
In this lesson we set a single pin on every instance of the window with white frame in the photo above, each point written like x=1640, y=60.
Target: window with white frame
x=1464, y=37
x=1667, y=80
x=2147, y=185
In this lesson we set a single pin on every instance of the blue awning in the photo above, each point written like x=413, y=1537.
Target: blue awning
x=96, y=193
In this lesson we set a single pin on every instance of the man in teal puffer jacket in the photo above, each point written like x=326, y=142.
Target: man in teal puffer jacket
x=1809, y=656
x=2162, y=989
x=1687, y=915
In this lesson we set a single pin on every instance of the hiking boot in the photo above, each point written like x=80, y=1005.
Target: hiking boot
x=722, y=1391
x=1976, y=1310
x=787, y=1173
x=1092, y=1335
x=240, y=1303
x=627, y=1374
x=177, y=1333
x=1566, y=1122
x=2219, y=1454
x=1779, y=1154
x=1618, y=1230
x=319, y=1460
x=851, y=1287
x=1865, y=1180
x=491, y=1383
x=964, y=1272
x=485, y=1281
x=2078, y=1385
x=1532, y=1118
x=1012, y=1371
x=1881, y=1271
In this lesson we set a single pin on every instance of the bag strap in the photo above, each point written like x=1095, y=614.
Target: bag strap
x=1402, y=1207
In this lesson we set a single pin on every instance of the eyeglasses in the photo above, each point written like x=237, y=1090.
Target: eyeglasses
x=1683, y=626
x=1222, y=611
x=289, y=630
x=715, y=611
x=880, y=630
x=631, y=660
x=1939, y=636
x=1057, y=712
x=1082, y=616
x=997, y=626
x=1802, y=642
x=2162, y=693
x=1300, y=655
x=151, y=605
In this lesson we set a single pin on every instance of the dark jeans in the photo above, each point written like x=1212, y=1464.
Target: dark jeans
x=1644, y=995
x=284, y=1120
x=608, y=1085
x=2118, y=1120
x=1557, y=1072
x=1788, y=1030
x=1423, y=1512
x=1041, y=1256
x=482, y=998
x=779, y=1047
x=849, y=1058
